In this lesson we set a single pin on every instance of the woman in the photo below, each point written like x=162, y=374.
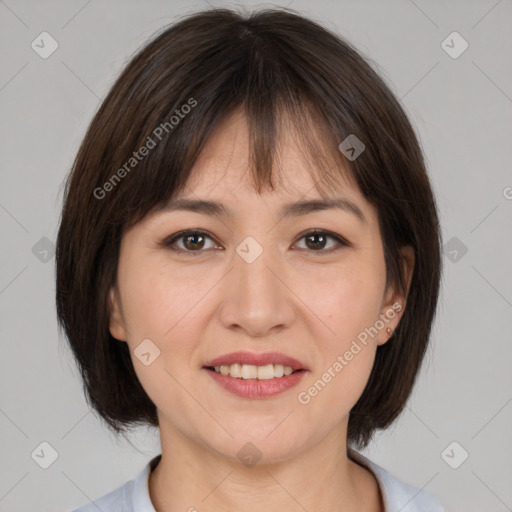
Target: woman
x=249, y=259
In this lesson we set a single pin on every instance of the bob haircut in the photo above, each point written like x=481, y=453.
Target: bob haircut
x=285, y=72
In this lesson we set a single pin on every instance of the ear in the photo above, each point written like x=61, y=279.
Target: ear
x=117, y=326
x=395, y=299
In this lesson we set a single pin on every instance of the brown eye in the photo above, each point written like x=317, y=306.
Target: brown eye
x=317, y=240
x=192, y=241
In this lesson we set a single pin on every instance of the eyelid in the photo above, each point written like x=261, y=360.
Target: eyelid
x=172, y=239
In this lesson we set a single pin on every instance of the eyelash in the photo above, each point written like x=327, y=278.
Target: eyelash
x=169, y=242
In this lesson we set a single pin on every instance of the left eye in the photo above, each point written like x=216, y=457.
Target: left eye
x=318, y=237
x=194, y=241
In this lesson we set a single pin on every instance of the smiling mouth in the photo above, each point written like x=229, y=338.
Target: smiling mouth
x=252, y=372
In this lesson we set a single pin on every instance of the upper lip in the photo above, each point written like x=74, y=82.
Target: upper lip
x=256, y=359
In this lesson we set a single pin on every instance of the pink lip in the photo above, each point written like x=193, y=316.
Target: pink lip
x=254, y=388
x=256, y=360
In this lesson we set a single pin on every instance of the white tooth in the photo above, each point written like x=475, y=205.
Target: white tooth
x=235, y=370
x=266, y=372
x=278, y=370
x=249, y=371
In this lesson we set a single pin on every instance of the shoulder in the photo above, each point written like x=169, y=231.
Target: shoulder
x=118, y=499
x=132, y=496
x=398, y=495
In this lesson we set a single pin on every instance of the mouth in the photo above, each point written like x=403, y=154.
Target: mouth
x=239, y=364
x=252, y=375
x=249, y=371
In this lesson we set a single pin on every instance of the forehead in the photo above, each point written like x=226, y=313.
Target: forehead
x=223, y=168
x=220, y=183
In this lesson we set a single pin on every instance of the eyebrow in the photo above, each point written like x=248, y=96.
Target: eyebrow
x=288, y=210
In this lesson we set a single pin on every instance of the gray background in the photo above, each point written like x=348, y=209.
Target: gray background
x=462, y=108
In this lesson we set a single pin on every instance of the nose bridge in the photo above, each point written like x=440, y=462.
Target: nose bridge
x=253, y=264
x=257, y=300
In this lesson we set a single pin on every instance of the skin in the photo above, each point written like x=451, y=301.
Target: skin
x=297, y=298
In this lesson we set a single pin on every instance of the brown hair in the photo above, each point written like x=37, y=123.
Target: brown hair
x=277, y=66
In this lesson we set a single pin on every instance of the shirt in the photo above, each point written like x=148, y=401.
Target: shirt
x=398, y=496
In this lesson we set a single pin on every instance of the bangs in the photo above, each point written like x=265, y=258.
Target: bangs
x=276, y=110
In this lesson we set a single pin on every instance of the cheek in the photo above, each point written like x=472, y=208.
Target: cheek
x=162, y=306
x=348, y=379
x=348, y=301
x=162, y=310
x=347, y=298
x=158, y=302
x=346, y=361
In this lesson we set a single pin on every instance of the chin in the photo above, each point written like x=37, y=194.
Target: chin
x=257, y=443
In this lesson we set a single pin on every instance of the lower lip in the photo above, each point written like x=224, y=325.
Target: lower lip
x=254, y=388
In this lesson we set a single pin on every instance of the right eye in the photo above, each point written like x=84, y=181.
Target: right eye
x=193, y=241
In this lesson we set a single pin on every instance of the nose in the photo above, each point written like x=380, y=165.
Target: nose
x=256, y=298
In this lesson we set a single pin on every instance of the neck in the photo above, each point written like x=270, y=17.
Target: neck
x=191, y=477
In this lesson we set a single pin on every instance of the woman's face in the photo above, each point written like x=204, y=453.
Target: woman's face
x=256, y=281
